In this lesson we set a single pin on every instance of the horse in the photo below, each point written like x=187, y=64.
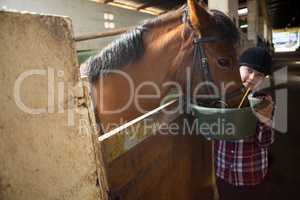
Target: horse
x=148, y=61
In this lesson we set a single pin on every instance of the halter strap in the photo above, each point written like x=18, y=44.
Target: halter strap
x=201, y=60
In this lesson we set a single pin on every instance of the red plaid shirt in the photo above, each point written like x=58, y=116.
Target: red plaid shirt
x=244, y=162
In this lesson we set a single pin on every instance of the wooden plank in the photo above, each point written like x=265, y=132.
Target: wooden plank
x=164, y=167
x=103, y=1
x=122, y=139
x=127, y=167
x=85, y=100
x=166, y=178
x=152, y=182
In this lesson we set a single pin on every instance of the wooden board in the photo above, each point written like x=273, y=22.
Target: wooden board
x=159, y=166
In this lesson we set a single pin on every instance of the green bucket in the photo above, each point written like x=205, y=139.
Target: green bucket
x=227, y=123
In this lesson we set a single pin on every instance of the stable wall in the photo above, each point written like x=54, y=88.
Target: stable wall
x=44, y=151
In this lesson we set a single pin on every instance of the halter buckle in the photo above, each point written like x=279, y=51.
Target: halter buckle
x=197, y=40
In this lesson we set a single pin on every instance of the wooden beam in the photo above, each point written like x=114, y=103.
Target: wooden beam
x=101, y=172
x=148, y=4
x=103, y=1
x=90, y=36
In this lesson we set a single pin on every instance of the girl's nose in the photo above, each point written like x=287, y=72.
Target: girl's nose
x=251, y=76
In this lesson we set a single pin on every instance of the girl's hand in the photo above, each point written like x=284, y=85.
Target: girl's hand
x=264, y=114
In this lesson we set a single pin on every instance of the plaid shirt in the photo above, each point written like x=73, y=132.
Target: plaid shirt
x=244, y=162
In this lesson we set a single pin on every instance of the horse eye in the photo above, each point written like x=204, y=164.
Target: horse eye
x=224, y=62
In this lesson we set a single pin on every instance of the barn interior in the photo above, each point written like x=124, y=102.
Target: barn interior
x=273, y=24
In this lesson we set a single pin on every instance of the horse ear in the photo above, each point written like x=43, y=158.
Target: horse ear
x=198, y=15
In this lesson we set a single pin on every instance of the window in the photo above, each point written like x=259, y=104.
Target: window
x=109, y=18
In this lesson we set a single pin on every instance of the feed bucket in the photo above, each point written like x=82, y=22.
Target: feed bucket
x=227, y=123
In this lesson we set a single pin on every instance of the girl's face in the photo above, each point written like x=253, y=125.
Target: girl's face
x=250, y=77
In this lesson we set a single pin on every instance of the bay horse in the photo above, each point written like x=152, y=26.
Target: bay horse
x=153, y=57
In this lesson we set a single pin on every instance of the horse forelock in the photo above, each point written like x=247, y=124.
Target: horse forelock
x=127, y=49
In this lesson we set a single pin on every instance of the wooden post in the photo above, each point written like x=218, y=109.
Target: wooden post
x=229, y=7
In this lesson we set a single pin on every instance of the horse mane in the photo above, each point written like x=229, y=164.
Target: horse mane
x=126, y=49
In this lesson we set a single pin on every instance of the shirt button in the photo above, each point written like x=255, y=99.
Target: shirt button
x=232, y=151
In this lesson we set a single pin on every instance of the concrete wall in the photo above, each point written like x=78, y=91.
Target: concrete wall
x=87, y=16
x=44, y=151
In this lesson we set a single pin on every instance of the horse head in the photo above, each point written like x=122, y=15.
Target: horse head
x=209, y=52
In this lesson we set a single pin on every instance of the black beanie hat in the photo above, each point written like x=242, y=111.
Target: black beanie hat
x=258, y=59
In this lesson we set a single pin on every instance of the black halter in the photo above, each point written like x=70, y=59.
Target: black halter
x=200, y=60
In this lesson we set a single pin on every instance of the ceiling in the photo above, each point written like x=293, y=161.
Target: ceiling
x=283, y=13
